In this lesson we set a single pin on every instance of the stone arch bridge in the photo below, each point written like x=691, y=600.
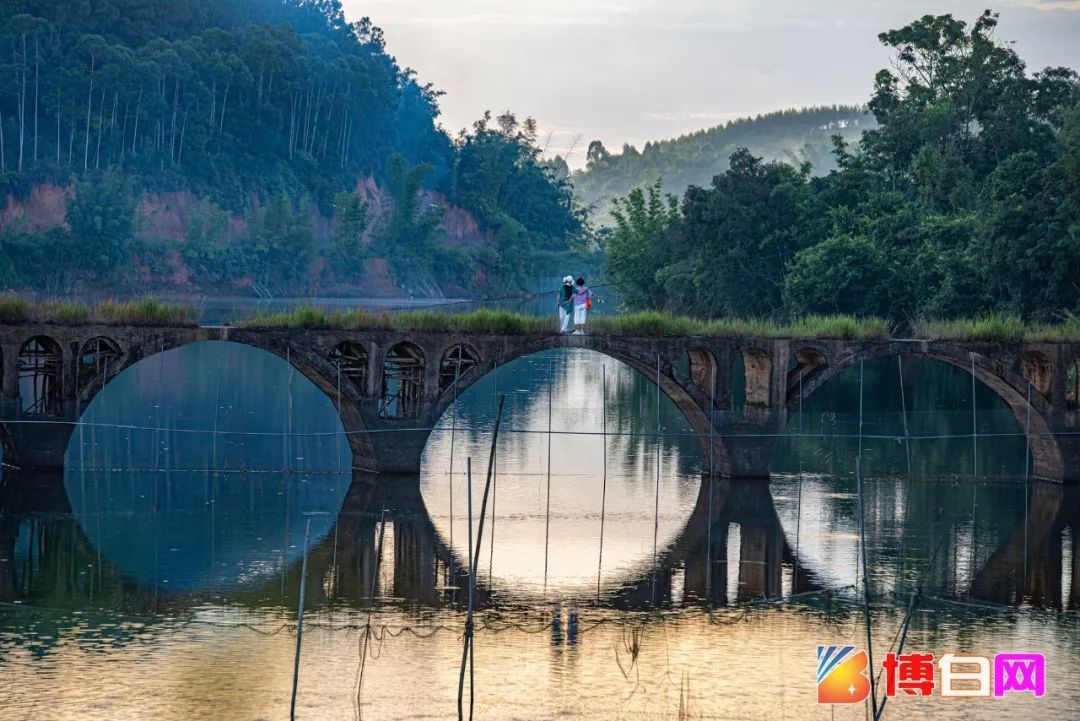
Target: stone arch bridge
x=394, y=386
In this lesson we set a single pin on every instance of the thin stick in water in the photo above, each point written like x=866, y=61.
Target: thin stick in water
x=712, y=489
x=798, y=504
x=366, y=640
x=300, y=622
x=494, y=487
x=866, y=580
x=475, y=560
x=907, y=452
x=465, y=646
x=547, y=511
x=974, y=464
x=603, y=490
x=656, y=502
x=1027, y=477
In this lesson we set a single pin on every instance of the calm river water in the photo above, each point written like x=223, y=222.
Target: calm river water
x=158, y=575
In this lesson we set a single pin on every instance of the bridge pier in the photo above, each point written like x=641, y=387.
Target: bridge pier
x=739, y=451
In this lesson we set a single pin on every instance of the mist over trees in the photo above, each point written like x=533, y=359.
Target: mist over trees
x=794, y=136
x=964, y=199
x=265, y=110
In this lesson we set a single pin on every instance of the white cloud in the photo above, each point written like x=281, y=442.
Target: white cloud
x=499, y=20
x=635, y=70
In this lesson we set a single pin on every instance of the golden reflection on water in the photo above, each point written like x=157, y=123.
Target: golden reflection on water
x=757, y=664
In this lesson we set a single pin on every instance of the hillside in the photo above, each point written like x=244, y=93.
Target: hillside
x=793, y=136
x=252, y=125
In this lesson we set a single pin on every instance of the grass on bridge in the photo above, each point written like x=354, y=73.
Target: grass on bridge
x=648, y=324
x=997, y=328
x=146, y=312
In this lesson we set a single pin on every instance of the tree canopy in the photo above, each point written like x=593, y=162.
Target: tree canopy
x=256, y=107
x=963, y=199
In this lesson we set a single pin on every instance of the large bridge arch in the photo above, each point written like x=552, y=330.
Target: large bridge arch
x=657, y=361
x=1008, y=376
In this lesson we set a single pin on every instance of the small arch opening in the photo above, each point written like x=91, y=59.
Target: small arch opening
x=351, y=360
x=456, y=363
x=40, y=378
x=738, y=385
x=97, y=356
x=402, y=382
x=699, y=365
x=804, y=364
x=1038, y=371
x=1073, y=384
x=757, y=373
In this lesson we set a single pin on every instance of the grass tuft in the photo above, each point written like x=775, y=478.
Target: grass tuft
x=840, y=327
x=479, y=321
x=314, y=317
x=654, y=324
x=14, y=310
x=147, y=311
x=991, y=328
x=650, y=324
x=64, y=312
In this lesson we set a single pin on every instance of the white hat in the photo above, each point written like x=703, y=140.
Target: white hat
x=568, y=279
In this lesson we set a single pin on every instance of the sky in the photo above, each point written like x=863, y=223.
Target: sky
x=629, y=71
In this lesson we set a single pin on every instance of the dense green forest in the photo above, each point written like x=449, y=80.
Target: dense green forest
x=793, y=136
x=964, y=199
x=269, y=112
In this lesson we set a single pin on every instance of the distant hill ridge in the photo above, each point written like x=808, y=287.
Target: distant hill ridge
x=793, y=135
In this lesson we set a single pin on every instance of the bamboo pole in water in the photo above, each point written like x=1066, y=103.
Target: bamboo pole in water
x=453, y=434
x=866, y=576
x=217, y=407
x=474, y=562
x=300, y=622
x=974, y=465
x=371, y=609
x=974, y=426
x=880, y=710
x=338, y=436
x=494, y=485
x=603, y=491
x=547, y=511
x=1027, y=477
x=161, y=399
x=656, y=503
x=465, y=646
x=289, y=414
x=798, y=504
x=712, y=489
x=907, y=452
x=858, y=458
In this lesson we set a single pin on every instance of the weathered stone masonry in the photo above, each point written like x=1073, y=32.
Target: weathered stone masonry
x=394, y=386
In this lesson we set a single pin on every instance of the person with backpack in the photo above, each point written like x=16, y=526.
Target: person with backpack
x=565, y=302
x=583, y=300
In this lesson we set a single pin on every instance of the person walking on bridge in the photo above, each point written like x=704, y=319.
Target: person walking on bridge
x=565, y=301
x=583, y=298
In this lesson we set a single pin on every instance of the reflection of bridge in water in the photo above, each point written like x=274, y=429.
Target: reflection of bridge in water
x=60, y=568
x=417, y=567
